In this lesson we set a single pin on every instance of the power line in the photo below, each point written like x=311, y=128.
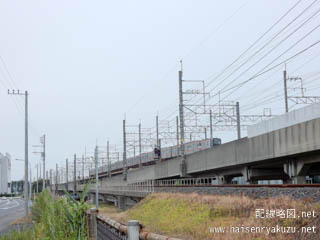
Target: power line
x=279, y=45
x=255, y=42
x=301, y=13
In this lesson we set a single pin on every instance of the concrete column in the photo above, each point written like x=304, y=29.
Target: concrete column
x=294, y=169
x=133, y=230
x=299, y=180
x=224, y=179
x=121, y=202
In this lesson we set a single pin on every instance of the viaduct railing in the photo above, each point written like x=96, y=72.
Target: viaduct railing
x=151, y=186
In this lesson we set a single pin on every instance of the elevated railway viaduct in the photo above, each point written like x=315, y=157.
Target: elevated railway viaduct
x=289, y=154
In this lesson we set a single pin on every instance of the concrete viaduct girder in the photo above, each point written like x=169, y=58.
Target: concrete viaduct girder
x=289, y=154
x=262, y=157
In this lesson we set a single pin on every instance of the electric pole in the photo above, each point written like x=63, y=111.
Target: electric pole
x=83, y=168
x=285, y=90
x=74, y=173
x=177, y=130
x=157, y=130
x=300, y=98
x=108, y=160
x=42, y=153
x=97, y=183
x=40, y=176
x=43, y=142
x=238, y=120
x=26, y=192
x=140, y=147
x=56, y=185
x=67, y=176
x=37, y=178
x=30, y=195
x=181, y=116
x=211, y=130
x=124, y=151
x=50, y=180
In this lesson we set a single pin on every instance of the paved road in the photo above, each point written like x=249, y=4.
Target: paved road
x=11, y=209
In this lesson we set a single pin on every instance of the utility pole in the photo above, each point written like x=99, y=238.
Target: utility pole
x=67, y=176
x=37, y=179
x=140, y=150
x=211, y=130
x=97, y=183
x=74, y=173
x=43, y=142
x=124, y=151
x=285, y=90
x=108, y=160
x=47, y=177
x=82, y=167
x=238, y=120
x=56, y=188
x=30, y=195
x=26, y=192
x=85, y=158
x=157, y=130
x=181, y=116
x=177, y=130
x=40, y=175
x=50, y=180
x=43, y=157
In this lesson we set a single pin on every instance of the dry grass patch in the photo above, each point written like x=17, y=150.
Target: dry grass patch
x=190, y=216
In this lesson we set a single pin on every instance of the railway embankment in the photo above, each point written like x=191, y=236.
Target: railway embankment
x=207, y=216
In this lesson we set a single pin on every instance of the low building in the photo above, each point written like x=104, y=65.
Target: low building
x=5, y=173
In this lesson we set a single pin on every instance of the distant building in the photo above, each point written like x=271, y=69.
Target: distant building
x=5, y=173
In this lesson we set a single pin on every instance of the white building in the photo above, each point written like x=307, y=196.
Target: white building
x=5, y=173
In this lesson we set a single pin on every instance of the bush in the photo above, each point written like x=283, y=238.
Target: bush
x=60, y=218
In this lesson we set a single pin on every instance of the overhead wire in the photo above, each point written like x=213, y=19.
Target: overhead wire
x=281, y=18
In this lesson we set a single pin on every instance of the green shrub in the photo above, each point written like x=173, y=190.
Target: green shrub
x=60, y=217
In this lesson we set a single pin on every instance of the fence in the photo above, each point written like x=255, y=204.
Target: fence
x=104, y=228
x=151, y=186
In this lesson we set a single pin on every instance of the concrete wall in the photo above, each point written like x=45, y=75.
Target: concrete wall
x=297, y=139
x=289, y=119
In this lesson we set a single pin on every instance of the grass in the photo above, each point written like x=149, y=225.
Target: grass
x=190, y=216
x=19, y=235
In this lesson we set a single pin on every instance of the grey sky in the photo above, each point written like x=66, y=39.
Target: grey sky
x=87, y=63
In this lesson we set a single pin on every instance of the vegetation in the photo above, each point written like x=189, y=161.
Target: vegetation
x=19, y=235
x=56, y=218
x=190, y=216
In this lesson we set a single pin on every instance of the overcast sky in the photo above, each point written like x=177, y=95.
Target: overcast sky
x=87, y=64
